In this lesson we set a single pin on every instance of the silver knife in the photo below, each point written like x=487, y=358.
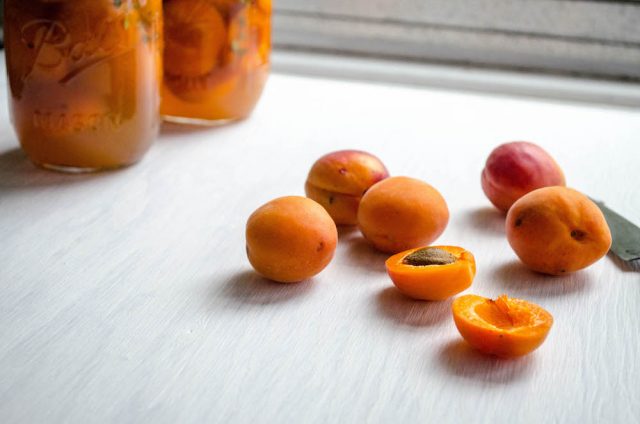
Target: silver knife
x=625, y=235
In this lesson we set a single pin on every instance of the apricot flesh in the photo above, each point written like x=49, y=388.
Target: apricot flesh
x=557, y=230
x=290, y=239
x=505, y=327
x=400, y=213
x=339, y=179
x=515, y=169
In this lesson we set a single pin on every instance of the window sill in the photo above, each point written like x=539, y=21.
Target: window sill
x=459, y=78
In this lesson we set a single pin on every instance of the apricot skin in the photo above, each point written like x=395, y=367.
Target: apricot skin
x=290, y=239
x=339, y=179
x=400, y=213
x=557, y=230
x=514, y=169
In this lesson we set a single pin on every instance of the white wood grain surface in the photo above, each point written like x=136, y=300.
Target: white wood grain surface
x=127, y=297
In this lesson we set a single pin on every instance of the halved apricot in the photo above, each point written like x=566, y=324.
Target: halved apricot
x=505, y=327
x=432, y=273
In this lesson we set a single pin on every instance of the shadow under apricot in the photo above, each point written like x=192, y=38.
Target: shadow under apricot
x=347, y=232
x=487, y=219
x=518, y=280
x=402, y=310
x=461, y=360
x=247, y=287
x=361, y=253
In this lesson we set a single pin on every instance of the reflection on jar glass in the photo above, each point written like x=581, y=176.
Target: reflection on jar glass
x=84, y=77
x=216, y=57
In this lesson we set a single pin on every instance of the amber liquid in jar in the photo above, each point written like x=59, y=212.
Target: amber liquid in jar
x=216, y=58
x=84, y=78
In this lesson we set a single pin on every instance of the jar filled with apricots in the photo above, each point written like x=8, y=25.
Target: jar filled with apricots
x=84, y=78
x=216, y=58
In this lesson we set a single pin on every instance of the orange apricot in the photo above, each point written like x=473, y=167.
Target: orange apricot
x=339, y=179
x=290, y=239
x=514, y=169
x=432, y=273
x=557, y=230
x=400, y=213
x=505, y=327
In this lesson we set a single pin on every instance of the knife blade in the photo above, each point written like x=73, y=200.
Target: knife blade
x=625, y=235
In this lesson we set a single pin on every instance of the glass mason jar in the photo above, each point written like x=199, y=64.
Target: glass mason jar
x=216, y=58
x=84, y=77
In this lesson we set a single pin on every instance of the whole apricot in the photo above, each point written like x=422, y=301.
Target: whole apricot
x=338, y=181
x=400, y=213
x=290, y=239
x=514, y=169
x=557, y=230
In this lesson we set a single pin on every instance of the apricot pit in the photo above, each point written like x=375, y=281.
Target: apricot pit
x=429, y=256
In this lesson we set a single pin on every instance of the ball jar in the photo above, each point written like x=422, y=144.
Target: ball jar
x=84, y=80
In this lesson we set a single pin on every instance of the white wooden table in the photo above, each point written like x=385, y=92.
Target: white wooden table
x=127, y=297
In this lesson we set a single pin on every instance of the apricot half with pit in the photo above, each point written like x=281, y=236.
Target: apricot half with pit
x=290, y=239
x=433, y=272
x=514, y=169
x=401, y=213
x=557, y=230
x=338, y=181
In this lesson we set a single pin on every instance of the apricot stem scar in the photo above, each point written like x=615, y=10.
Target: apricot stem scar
x=577, y=234
x=429, y=256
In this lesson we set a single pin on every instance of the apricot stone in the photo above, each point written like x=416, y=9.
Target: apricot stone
x=514, y=169
x=290, y=239
x=400, y=213
x=338, y=181
x=557, y=230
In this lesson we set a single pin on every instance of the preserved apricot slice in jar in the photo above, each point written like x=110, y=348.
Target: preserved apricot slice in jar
x=264, y=5
x=195, y=35
x=216, y=83
x=228, y=8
